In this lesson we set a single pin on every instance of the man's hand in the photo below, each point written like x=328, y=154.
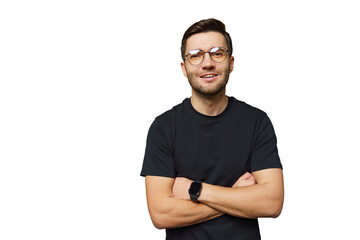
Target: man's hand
x=182, y=185
x=247, y=179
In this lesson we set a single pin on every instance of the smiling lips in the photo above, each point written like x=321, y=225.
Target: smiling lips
x=209, y=76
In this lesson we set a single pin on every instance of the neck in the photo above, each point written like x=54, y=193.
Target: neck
x=209, y=105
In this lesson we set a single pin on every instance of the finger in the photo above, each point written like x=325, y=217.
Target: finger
x=247, y=175
x=252, y=179
x=244, y=175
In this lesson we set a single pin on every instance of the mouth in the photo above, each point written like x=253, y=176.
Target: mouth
x=209, y=77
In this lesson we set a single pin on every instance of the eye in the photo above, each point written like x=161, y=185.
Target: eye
x=218, y=52
x=193, y=54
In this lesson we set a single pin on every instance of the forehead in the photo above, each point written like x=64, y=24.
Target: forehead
x=205, y=41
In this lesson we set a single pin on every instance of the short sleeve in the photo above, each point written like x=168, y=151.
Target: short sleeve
x=159, y=157
x=265, y=153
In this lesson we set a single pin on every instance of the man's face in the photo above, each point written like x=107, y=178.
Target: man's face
x=209, y=77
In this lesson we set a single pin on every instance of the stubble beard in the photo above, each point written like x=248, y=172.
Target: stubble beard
x=208, y=91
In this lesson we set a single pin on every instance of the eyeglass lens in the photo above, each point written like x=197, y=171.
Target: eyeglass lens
x=218, y=54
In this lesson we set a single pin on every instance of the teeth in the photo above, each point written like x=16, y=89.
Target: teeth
x=209, y=76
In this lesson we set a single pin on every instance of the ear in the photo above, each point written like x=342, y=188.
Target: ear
x=231, y=63
x=183, y=68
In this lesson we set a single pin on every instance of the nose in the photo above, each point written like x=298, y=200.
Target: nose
x=207, y=62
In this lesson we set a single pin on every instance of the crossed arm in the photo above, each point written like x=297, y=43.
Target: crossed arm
x=258, y=195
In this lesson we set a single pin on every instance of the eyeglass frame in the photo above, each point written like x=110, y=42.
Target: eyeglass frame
x=227, y=51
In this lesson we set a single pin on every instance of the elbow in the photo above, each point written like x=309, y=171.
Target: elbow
x=158, y=225
x=275, y=209
x=275, y=204
x=267, y=212
x=271, y=208
x=275, y=212
x=160, y=215
x=159, y=221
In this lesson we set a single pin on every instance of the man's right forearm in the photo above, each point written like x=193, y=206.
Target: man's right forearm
x=175, y=213
x=166, y=211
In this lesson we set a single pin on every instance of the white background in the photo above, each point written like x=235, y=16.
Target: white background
x=81, y=82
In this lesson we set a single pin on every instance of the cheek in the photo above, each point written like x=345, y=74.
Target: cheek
x=190, y=73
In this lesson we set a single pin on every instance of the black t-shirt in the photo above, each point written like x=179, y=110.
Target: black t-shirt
x=213, y=149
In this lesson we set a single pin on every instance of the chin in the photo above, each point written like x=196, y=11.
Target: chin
x=209, y=92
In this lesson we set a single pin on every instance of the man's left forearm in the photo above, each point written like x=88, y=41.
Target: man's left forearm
x=243, y=199
x=260, y=200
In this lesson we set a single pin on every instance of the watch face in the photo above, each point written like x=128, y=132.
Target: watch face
x=195, y=188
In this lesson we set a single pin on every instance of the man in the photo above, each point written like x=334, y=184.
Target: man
x=199, y=154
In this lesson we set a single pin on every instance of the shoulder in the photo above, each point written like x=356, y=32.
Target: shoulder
x=248, y=111
x=168, y=117
x=166, y=122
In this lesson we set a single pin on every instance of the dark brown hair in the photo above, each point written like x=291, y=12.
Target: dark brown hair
x=206, y=25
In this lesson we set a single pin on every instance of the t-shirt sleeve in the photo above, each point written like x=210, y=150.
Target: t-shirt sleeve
x=265, y=153
x=159, y=157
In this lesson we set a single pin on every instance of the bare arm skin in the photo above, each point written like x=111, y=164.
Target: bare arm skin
x=264, y=199
x=168, y=211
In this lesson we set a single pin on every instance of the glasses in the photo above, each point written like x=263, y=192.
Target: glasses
x=217, y=54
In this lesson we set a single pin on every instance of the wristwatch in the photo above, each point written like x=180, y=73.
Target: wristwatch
x=194, y=191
